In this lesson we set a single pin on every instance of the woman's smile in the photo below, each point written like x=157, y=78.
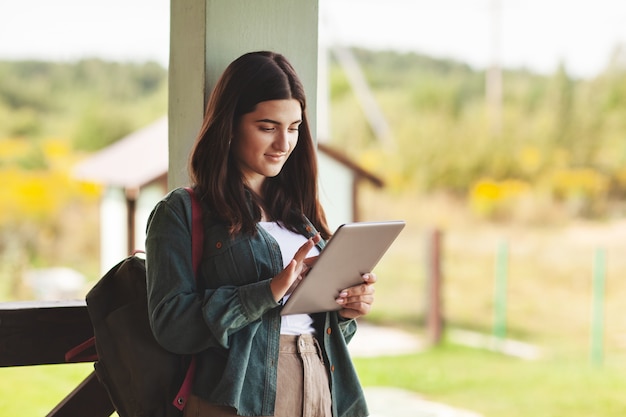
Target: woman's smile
x=277, y=157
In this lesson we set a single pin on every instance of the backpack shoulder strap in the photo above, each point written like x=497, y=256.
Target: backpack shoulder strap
x=197, y=231
x=197, y=243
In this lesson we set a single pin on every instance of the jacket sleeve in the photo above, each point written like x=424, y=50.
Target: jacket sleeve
x=183, y=319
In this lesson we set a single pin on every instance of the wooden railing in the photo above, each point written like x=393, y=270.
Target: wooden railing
x=41, y=333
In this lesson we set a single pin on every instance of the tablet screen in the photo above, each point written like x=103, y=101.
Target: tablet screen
x=353, y=250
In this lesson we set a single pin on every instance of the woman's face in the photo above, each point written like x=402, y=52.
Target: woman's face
x=265, y=138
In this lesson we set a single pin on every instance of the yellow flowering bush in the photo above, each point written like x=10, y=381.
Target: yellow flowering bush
x=582, y=189
x=495, y=199
x=38, y=194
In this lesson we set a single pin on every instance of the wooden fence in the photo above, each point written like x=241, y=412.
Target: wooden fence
x=41, y=333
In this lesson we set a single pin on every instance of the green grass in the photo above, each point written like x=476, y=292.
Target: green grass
x=499, y=386
x=32, y=391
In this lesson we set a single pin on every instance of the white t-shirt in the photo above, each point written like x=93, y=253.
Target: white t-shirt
x=289, y=243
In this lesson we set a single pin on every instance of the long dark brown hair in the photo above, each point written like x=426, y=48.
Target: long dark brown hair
x=250, y=79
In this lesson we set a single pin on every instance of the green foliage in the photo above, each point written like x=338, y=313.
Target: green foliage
x=100, y=126
x=448, y=137
x=92, y=101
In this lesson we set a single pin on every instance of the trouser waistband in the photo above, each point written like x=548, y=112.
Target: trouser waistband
x=304, y=343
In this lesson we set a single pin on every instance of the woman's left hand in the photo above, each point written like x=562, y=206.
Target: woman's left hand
x=357, y=301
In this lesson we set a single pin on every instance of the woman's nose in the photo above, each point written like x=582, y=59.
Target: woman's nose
x=282, y=141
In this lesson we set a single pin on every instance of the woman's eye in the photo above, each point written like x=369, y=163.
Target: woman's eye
x=267, y=129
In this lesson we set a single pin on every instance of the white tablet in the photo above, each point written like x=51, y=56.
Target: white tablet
x=354, y=249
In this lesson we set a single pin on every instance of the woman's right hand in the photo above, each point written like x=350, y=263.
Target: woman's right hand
x=282, y=283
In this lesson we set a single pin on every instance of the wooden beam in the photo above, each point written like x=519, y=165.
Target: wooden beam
x=88, y=399
x=358, y=171
x=27, y=327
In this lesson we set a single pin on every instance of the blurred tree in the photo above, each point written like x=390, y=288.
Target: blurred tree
x=435, y=108
x=99, y=126
x=48, y=98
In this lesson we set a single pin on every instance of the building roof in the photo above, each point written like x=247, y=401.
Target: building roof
x=131, y=162
x=142, y=157
x=350, y=164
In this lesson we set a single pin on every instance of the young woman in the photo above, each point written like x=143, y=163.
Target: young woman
x=253, y=168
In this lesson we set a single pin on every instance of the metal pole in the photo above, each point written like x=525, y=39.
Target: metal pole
x=500, y=293
x=597, y=330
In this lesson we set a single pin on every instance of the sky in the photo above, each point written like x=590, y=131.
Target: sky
x=537, y=34
x=534, y=33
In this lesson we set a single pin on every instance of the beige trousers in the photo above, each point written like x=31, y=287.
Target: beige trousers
x=302, y=388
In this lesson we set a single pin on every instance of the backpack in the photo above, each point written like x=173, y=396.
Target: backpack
x=140, y=377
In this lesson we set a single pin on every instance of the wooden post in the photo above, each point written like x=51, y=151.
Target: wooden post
x=131, y=195
x=434, y=314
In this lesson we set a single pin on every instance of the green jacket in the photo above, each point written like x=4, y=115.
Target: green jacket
x=229, y=318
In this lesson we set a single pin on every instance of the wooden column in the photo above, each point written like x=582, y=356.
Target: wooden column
x=206, y=35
